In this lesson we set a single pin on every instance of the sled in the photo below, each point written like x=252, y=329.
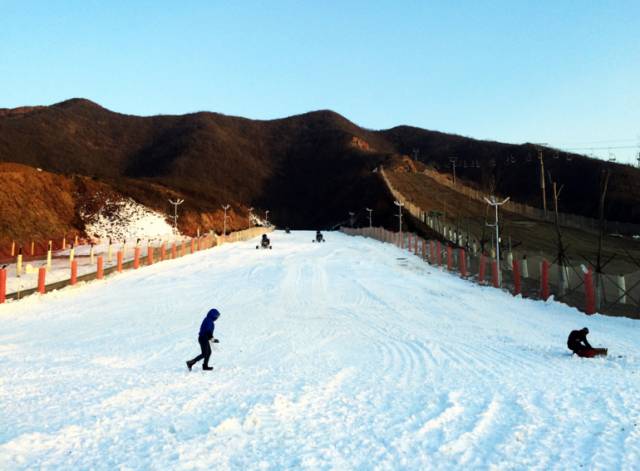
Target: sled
x=593, y=352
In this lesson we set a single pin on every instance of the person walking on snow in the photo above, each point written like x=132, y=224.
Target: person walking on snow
x=205, y=335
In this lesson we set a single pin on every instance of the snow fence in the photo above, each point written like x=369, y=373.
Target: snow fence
x=93, y=261
x=534, y=277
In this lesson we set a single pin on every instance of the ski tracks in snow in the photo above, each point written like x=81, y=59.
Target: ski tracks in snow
x=342, y=355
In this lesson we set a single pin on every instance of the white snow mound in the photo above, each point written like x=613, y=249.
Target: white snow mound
x=126, y=219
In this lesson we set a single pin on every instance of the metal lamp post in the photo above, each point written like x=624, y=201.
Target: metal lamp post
x=493, y=202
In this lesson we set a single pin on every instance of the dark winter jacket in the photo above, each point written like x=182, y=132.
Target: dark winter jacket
x=578, y=340
x=207, y=326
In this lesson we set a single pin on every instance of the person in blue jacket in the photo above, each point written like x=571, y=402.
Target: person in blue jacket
x=205, y=335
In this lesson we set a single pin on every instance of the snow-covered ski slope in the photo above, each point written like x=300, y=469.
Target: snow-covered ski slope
x=350, y=354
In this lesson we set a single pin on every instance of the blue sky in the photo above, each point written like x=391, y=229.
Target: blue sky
x=562, y=72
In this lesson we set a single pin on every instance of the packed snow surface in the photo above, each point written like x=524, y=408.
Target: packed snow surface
x=342, y=355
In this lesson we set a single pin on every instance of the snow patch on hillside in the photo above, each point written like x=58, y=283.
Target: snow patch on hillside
x=126, y=219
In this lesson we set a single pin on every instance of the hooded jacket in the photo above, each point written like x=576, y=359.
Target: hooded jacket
x=207, y=326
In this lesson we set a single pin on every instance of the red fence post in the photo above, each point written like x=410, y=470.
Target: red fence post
x=120, y=257
x=149, y=255
x=424, y=249
x=482, y=269
x=42, y=273
x=432, y=256
x=589, y=293
x=544, y=280
x=136, y=258
x=517, y=282
x=415, y=245
x=3, y=285
x=100, y=271
x=449, y=257
x=462, y=262
x=74, y=272
x=438, y=253
x=409, y=241
x=494, y=273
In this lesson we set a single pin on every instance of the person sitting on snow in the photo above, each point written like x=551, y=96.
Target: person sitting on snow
x=265, y=242
x=205, y=335
x=319, y=237
x=578, y=343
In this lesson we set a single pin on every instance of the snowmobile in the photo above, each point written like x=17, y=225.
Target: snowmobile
x=265, y=243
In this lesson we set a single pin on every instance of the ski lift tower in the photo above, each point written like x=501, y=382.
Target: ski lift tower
x=493, y=202
x=175, y=204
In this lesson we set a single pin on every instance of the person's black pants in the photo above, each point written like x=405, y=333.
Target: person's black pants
x=206, y=351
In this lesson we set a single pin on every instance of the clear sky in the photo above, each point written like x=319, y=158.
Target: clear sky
x=562, y=72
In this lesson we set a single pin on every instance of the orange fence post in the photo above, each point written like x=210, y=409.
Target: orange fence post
x=74, y=272
x=162, y=252
x=183, y=249
x=173, y=250
x=449, y=257
x=199, y=246
x=438, y=253
x=482, y=269
x=42, y=273
x=517, y=282
x=462, y=263
x=193, y=245
x=149, y=255
x=494, y=273
x=136, y=258
x=120, y=256
x=100, y=272
x=544, y=280
x=589, y=293
x=3, y=285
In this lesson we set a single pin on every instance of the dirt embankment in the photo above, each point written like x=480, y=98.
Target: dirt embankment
x=39, y=206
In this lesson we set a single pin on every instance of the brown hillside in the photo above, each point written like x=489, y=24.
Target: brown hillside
x=309, y=170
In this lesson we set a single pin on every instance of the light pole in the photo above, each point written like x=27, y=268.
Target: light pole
x=542, y=184
x=493, y=202
x=399, y=205
x=224, y=223
x=453, y=164
x=351, y=218
x=370, y=220
x=175, y=204
x=266, y=217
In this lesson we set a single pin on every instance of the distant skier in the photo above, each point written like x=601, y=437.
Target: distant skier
x=205, y=335
x=319, y=237
x=578, y=344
